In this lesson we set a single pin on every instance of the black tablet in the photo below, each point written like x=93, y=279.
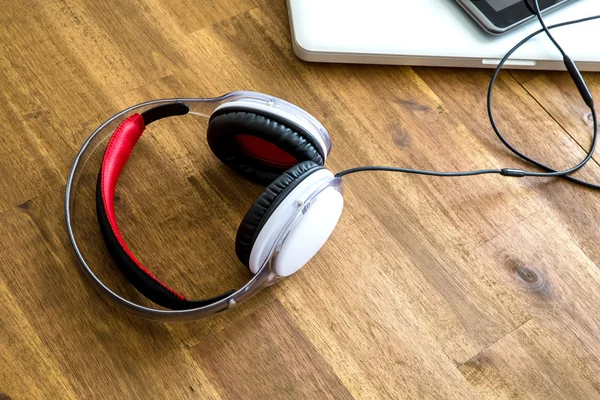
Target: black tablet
x=499, y=16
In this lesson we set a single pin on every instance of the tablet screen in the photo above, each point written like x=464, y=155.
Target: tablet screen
x=499, y=5
x=504, y=13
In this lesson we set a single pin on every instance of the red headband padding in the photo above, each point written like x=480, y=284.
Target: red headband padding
x=117, y=153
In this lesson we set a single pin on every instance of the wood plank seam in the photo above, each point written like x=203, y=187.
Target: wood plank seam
x=554, y=118
x=24, y=204
x=499, y=233
x=458, y=365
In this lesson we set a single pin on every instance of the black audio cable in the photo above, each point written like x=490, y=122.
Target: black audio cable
x=583, y=90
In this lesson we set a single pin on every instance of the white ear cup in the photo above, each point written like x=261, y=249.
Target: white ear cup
x=308, y=234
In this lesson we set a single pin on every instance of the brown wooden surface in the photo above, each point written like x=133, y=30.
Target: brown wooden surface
x=441, y=288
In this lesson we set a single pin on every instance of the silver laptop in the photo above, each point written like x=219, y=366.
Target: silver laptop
x=434, y=33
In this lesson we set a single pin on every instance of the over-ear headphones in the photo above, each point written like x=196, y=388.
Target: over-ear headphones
x=268, y=141
x=265, y=140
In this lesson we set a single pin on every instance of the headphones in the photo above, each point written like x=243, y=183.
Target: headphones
x=274, y=143
x=265, y=140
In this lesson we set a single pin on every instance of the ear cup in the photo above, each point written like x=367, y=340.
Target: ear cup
x=260, y=147
x=264, y=206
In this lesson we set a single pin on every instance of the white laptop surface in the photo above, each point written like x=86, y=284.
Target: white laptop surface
x=433, y=32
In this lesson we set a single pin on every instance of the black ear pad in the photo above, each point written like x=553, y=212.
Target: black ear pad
x=264, y=206
x=259, y=146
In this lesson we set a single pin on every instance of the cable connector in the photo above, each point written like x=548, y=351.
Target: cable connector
x=579, y=81
x=512, y=172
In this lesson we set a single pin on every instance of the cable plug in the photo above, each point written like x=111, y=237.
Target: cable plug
x=512, y=172
x=579, y=81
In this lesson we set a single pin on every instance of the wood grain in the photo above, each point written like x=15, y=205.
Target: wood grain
x=429, y=288
x=234, y=358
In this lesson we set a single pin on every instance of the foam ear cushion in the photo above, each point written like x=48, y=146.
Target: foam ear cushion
x=263, y=207
x=260, y=147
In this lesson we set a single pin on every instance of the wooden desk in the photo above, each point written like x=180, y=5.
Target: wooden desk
x=449, y=288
